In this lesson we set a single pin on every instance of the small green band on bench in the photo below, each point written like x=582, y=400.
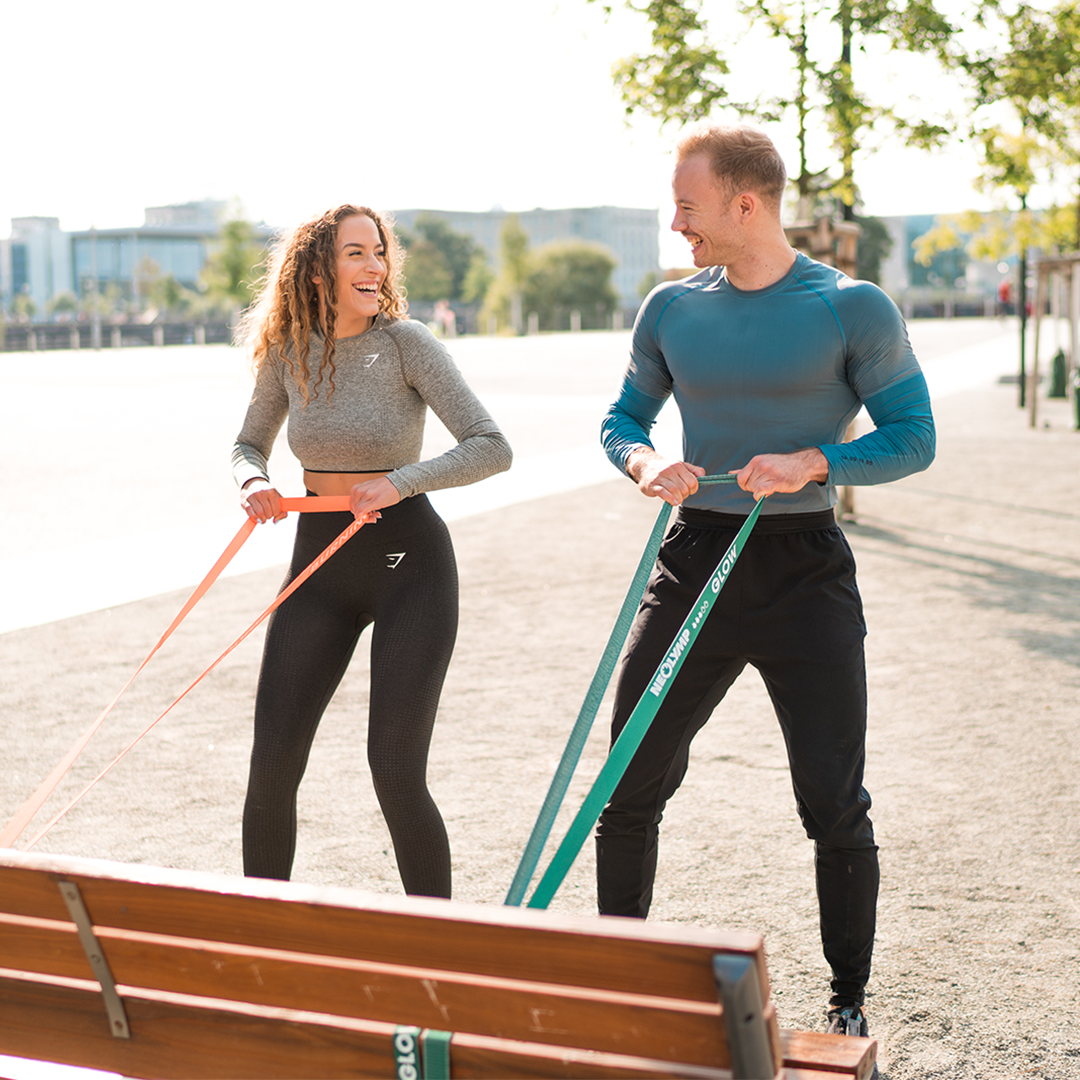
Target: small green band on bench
x=421, y=1054
x=436, y=1054
x=407, y=1053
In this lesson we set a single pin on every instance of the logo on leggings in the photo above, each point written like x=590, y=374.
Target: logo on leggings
x=394, y=561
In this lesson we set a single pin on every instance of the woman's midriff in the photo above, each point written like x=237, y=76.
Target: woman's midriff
x=338, y=483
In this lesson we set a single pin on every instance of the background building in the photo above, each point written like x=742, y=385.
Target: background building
x=41, y=261
x=631, y=235
x=35, y=262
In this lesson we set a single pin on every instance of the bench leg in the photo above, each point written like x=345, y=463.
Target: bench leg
x=747, y=1034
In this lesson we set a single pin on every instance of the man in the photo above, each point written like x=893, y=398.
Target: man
x=769, y=356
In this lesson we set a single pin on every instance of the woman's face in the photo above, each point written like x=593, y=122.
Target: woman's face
x=361, y=270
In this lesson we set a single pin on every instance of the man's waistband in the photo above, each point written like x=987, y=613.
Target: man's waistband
x=766, y=523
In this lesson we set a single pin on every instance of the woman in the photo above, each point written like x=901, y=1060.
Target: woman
x=335, y=354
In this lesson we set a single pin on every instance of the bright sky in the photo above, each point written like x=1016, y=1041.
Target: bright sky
x=291, y=108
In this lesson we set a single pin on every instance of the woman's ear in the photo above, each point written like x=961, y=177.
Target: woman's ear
x=316, y=280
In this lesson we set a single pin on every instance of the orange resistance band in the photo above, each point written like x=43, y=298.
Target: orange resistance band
x=306, y=504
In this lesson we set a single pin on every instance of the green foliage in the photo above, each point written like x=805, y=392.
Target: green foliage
x=234, y=266
x=514, y=249
x=145, y=279
x=875, y=243
x=23, y=308
x=552, y=281
x=570, y=276
x=1026, y=114
x=479, y=278
x=503, y=298
x=172, y=298
x=682, y=78
x=679, y=79
x=427, y=276
x=64, y=303
x=648, y=283
x=102, y=302
x=439, y=260
x=994, y=235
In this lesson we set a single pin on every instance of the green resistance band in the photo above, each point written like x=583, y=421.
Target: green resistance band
x=636, y=726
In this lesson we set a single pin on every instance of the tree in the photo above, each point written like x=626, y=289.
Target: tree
x=64, y=304
x=427, y=276
x=233, y=268
x=570, y=276
x=479, y=278
x=1027, y=98
x=23, y=308
x=144, y=282
x=101, y=302
x=684, y=79
x=171, y=297
x=503, y=300
x=1026, y=118
x=438, y=260
x=875, y=244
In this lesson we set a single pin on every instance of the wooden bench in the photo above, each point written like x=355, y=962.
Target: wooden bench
x=232, y=977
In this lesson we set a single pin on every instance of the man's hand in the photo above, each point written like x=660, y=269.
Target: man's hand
x=660, y=478
x=770, y=474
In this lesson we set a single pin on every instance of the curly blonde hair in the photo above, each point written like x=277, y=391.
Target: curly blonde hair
x=287, y=305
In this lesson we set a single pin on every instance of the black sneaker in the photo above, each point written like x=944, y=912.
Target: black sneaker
x=849, y=1020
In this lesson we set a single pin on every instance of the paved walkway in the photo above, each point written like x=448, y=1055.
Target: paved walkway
x=114, y=465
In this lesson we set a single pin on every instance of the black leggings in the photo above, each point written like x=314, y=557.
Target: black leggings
x=792, y=610
x=399, y=574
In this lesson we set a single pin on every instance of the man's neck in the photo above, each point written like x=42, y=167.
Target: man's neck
x=762, y=266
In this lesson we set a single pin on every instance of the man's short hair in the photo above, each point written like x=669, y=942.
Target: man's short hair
x=742, y=159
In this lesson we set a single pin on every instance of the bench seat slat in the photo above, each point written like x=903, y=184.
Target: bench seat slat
x=614, y=954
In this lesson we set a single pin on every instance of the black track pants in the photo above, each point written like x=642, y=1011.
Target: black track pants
x=792, y=610
x=399, y=574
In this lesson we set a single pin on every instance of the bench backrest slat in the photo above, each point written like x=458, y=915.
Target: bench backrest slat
x=632, y=957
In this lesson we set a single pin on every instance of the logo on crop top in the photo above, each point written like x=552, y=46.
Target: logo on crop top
x=394, y=561
x=370, y=359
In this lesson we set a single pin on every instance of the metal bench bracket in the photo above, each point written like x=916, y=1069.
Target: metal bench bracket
x=114, y=1007
x=744, y=1017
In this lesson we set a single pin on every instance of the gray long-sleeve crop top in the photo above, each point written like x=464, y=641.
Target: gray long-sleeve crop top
x=384, y=381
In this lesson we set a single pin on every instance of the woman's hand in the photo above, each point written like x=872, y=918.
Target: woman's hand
x=262, y=501
x=368, y=498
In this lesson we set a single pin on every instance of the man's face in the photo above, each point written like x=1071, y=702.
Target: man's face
x=704, y=213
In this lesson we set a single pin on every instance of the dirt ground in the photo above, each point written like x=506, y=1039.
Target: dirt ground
x=970, y=574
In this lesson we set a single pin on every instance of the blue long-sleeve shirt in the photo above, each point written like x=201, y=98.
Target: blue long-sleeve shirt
x=773, y=371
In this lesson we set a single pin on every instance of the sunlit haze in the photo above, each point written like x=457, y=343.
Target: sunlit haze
x=287, y=109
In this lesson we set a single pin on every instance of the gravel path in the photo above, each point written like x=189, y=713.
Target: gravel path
x=971, y=578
